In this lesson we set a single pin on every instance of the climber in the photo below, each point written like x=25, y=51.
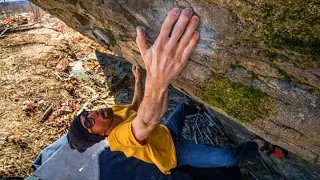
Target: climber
x=135, y=129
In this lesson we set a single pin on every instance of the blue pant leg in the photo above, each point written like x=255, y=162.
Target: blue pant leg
x=175, y=121
x=203, y=156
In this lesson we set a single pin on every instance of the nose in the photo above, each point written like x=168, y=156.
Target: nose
x=107, y=112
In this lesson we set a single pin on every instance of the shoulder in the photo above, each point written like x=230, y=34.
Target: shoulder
x=122, y=137
x=120, y=106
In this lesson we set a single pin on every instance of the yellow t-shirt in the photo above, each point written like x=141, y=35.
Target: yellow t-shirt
x=158, y=149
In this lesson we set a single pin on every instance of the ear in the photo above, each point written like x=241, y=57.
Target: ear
x=89, y=130
x=82, y=123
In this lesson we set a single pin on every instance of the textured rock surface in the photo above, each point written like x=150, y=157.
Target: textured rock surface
x=257, y=61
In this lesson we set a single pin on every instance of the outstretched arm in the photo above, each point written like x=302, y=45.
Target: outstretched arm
x=164, y=60
x=138, y=94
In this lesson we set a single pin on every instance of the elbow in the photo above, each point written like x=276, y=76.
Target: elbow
x=156, y=119
x=134, y=107
x=151, y=124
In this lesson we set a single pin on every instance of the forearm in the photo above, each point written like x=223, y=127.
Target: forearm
x=138, y=94
x=150, y=112
x=153, y=105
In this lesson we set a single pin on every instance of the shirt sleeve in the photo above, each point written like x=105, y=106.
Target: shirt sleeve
x=122, y=137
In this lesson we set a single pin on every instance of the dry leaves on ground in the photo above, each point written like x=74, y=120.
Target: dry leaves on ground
x=35, y=77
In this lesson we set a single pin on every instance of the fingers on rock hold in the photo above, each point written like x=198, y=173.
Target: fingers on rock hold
x=141, y=40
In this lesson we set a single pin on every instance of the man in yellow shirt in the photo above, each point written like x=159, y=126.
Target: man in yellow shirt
x=135, y=129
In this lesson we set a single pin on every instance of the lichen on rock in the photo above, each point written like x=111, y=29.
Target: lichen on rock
x=292, y=25
x=244, y=103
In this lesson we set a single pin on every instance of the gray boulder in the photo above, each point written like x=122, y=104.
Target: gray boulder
x=257, y=61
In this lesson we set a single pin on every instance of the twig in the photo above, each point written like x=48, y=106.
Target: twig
x=264, y=165
x=195, y=136
x=56, y=73
x=204, y=132
x=210, y=141
x=217, y=125
x=62, y=79
x=116, y=84
x=255, y=177
x=196, y=123
x=4, y=31
x=47, y=113
x=216, y=140
x=24, y=28
x=214, y=123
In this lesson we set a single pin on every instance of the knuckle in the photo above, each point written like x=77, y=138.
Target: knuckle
x=165, y=28
x=178, y=56
x=157, y=49
x=192, y=42
x=178, y=27
x=195, y=36
x=179, y=30
x=167, y=50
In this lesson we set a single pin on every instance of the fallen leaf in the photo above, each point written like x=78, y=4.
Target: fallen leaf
x=73, y=106
x=70, y=87
x=17, y=134
x=63, y=65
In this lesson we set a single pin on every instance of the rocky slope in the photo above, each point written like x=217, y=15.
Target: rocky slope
x=257, y=61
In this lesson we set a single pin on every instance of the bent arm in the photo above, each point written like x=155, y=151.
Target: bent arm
x=137, y=96
x=164, y=60
x=150, y=112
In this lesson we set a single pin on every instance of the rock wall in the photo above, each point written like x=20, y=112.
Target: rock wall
x=257, y=61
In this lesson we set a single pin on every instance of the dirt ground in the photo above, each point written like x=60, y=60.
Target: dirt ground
x=35, y=73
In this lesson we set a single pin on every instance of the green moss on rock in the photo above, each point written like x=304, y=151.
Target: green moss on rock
x=292, y=27
x=244, y=103
x=272, y=56
x=284, y=25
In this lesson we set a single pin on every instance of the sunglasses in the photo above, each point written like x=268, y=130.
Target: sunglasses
x=88, y=122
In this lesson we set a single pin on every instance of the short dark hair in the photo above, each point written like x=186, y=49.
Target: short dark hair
x=79, y=138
